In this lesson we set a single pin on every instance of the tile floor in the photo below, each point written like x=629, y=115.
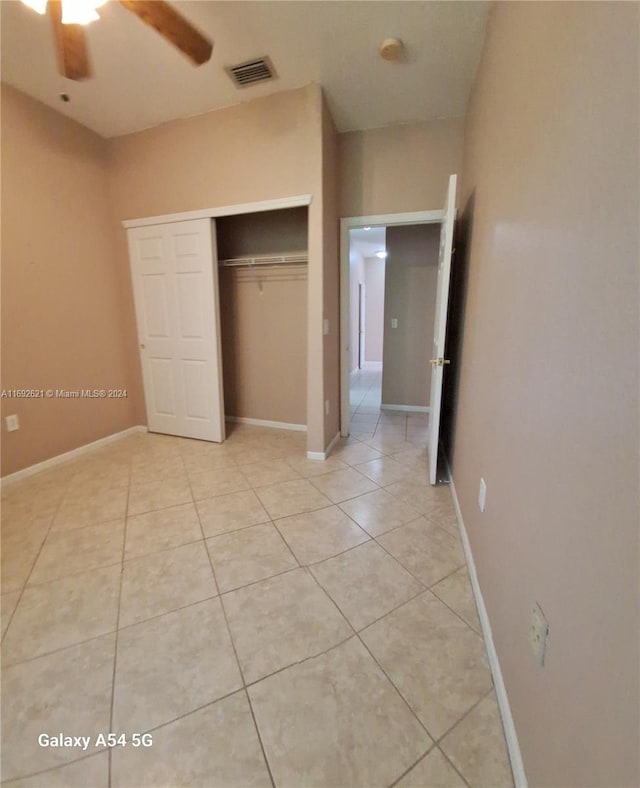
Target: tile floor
x=268, y=619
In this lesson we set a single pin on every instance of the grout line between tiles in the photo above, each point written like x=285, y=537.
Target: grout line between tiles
x=413, y=765
x=115, y=646
x=235, y=651
x=35, y=560
x=357, y=635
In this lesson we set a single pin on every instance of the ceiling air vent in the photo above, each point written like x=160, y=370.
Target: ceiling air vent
x=257, y=70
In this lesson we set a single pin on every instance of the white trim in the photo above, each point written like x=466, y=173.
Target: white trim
x=407, y=408
x=323, y=455
x=346, y=224
x=511, y=736
x=297, y=201
x=69, y=455
x=276, y=425
x=415, y=217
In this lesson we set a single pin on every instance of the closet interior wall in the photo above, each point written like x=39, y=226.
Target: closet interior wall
x=264, y=316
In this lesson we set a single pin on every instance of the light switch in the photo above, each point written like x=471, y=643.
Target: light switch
x=394, y=322
x=325, y=326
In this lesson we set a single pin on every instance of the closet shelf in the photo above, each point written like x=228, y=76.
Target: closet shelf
x=293, y=258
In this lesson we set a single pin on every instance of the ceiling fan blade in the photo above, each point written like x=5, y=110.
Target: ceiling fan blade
x=172, y=26
x=71, y=45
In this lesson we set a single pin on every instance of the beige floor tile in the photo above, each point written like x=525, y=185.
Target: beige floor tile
x=433, y=771
x=70, y=552
x=477, y=748
x=9, y=602
x=68, y=692
x=266, y=472
x=416, y=459
x=286, y=498
x=423, y=496
x=16, y=567
x=220, y=481
x=280, y=621
x=383, y=471
x=230, y=512
x=428, y=552
x=161, y=530
x=161, y=582
x=366, y=583
x=58, y=614
x=445, y=516
x=437, y=662
x=310, y=468
x=361, y=432
x=91, y=508
x=248, y=555
x=340, y=485
x=456, y=592
x=158, y=495
x=92, y=772
x=389, y=444
x=336, y=720
x=199, y=462
x=355, y=453
x=172, y=665
x=20, y=546
x=315, y=536
x=216, y=747
x=378, y=512
x=145, y=470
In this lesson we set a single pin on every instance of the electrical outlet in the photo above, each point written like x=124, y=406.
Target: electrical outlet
x=538, y=633
x=325, y=326
x=482, y=495
x=326, y=407
x=12, y=422
x=394, y=322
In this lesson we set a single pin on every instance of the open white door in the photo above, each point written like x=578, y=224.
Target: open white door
x=175, y=287
x=440, y=327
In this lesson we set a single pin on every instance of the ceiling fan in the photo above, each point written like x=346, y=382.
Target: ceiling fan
x=69, y=16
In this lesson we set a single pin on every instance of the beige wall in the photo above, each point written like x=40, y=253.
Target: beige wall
x=64, y=294
x=263, y=149
x=331, y=273
x=374, y=308
x=264, y=343
x=410, y=287
x=399, y=168
x=548, y=392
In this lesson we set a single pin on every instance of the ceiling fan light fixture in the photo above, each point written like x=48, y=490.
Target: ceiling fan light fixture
x=39, y=6
x=79, y=12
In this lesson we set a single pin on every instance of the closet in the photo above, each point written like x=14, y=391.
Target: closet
x=221, y=311
x=262, y=267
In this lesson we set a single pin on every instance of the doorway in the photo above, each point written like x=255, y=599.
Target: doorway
x=367, y=253
x=364, y=273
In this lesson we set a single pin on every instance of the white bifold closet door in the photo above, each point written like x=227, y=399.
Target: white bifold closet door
x=175, y=286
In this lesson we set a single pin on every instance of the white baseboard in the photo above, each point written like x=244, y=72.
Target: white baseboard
x=515, y=756
x=407, y=408
x=322, y=455
x=69, y=455
x=276, y=425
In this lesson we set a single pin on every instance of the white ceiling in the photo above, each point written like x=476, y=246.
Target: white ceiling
x=368, y=242
x=140, y=80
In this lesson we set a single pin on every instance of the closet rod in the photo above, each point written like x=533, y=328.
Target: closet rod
x=283, y=259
